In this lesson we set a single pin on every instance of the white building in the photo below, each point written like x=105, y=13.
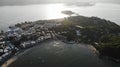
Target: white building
x=51, y=24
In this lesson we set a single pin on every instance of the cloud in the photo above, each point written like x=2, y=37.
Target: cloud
x=108, y=1
x=24, y=2
x=81, y=4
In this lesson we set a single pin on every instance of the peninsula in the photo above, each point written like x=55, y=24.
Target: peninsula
x=103, y=34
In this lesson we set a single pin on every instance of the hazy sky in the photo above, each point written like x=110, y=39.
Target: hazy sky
x=20, y=2
x=108, y=1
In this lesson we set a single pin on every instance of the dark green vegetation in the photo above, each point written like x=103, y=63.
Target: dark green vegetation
x=110, y=45
x=103, y=34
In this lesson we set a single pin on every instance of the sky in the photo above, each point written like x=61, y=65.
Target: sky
x=108, y=1
x=23, y=2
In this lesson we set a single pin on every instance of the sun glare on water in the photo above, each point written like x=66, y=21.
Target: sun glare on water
x=53, y=11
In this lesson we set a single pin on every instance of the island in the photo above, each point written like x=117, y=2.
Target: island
x=103, y=34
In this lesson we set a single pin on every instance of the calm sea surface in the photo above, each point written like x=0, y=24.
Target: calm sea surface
x=59, y=54
x=15, y=14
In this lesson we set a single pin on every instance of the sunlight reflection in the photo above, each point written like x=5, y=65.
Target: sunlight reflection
x=54, y=11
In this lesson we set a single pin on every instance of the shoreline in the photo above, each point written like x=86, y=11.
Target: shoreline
x=14, y=58
x=20, y=53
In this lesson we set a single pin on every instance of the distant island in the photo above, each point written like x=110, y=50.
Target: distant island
x=81, y=4
x=103, y=34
